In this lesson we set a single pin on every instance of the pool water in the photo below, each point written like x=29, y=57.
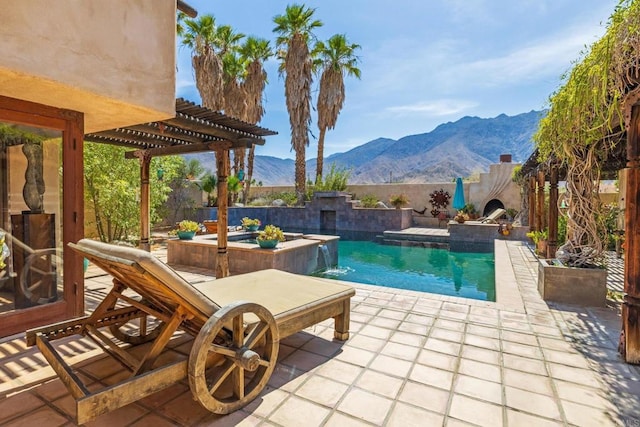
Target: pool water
x=463, y=274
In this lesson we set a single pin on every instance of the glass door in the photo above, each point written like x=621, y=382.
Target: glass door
x=40, y=281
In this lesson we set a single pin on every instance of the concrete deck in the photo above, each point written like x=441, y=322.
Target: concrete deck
x=412, y=359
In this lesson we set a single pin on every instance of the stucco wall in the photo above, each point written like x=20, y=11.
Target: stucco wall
x=113, y=60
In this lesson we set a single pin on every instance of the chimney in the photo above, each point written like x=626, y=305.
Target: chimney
x=505, y=158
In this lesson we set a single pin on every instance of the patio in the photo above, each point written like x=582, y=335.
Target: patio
x=412, y=359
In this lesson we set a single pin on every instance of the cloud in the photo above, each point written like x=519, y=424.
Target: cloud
x=438, y=108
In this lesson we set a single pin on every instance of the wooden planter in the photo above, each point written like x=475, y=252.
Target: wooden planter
x=570, y=285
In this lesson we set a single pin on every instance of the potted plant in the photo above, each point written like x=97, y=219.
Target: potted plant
x=539, y=239
x=250, y=224
x=470, y=211
x=186, y=229
x=399, y=201
x=270, y=236
x=461, y=217
x=511, y=213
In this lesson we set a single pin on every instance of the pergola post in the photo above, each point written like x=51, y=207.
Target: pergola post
x=145, y=199
x=540, y=202
x=552, y=244
x=222, y=260
x=532, y=203
x=630, y=339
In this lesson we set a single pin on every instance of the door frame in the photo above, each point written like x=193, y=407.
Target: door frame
x=71, y=124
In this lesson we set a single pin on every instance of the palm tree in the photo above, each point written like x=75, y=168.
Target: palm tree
x=337, y=57
x=200, y=36
x=235, y=98
x=255, y=52
x=295, y=29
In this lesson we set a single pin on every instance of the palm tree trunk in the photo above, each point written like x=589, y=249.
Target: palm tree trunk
x=320, y=160
x=247, y=182
x=300, y=174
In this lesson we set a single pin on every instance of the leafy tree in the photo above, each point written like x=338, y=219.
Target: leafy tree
x=112, y=189
x=337, y=57
x=294, y=30
x=233, y=186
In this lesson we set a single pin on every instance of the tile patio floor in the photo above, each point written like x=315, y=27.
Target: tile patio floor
x=413, y=359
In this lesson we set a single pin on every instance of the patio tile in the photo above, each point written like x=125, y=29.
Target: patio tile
x=340, y=371
x=393, y=314
x=287, y=377
x=384, y=322
x=480, y=370
x=366, y=406
x=476, y=412
x=375, y=332
x=51, y=390
x=582, y=394
x=483, y=331
x=154, y=420
x=575, y=375
x=447, y=335
x=448, y=314
x=481, y=354
x=408, y=339
x=582, y=415
x=425, y=396
x=421, y=320
x=380, y=383
x=184, y=409
x=391, y=366
x=479, y=389
x=517, y=418
x=520, y=338
x=526, y=381
x=403, y=415
x=236, y=419
x=400, y=351
x=43, y=417
x=441, y=346
x=355, y=355
x=564, y=358
x=483, y=320
x=555, y=344
x=366, y=343
x=289, y=413
x=121, y=416
x=297, y=340
x=322, y=390
x=449, y=324
x=414, y=328
x=323, y=347
x=304, y=360
x=482, y=342
x=431, y=376
x=437, y=360
x=163, y=396
x=18, y=404
x=266, y=402
x=341, y=420
x=533, y=403
x=524, y=364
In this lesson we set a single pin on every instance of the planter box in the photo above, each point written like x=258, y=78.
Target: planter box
x=569, y=285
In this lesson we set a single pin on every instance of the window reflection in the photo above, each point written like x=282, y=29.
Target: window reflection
x=30, y=217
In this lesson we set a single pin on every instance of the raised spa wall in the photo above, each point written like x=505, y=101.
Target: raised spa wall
x=300, y=253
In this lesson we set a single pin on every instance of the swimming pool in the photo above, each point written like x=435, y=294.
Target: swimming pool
x=463, y=274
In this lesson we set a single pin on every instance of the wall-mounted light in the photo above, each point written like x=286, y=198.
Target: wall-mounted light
x=160, y=174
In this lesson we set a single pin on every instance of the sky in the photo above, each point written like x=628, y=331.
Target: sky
x=423, y=63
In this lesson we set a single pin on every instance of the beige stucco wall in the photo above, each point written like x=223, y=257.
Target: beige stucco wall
x=112, y=60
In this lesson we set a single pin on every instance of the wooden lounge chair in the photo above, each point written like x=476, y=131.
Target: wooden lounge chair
x=237, y=323
x=493, y=217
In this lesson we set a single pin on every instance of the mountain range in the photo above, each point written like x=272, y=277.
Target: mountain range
x=461, y=148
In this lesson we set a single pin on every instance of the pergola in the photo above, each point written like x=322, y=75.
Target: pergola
x=193, y=129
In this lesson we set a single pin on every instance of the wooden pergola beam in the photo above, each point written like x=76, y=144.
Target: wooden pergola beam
x=191, y=148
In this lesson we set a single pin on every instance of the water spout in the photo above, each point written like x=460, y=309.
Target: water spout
x=324, y=250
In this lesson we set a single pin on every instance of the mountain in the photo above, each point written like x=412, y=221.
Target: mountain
x=452, y=149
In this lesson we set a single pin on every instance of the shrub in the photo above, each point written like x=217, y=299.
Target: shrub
x=369, y=201
x=399, y=201
x=271, y=232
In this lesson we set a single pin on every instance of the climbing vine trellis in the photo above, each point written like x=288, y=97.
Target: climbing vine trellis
x=586, y=118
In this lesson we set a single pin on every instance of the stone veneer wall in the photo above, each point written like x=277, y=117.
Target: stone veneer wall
x=328, y=212
x=474, y=236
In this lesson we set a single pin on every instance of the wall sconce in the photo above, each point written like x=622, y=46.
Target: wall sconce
x=160, y=174
x=240, y=175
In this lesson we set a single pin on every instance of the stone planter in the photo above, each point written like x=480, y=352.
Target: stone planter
x=570, y=285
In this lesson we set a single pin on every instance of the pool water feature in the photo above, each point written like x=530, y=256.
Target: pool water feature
x=463, y=274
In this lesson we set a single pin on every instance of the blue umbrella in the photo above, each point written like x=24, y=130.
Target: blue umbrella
x=458, y=197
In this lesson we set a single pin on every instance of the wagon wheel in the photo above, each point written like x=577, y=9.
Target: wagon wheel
x=147, y=330
x=40, y=272
x=226, y=374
